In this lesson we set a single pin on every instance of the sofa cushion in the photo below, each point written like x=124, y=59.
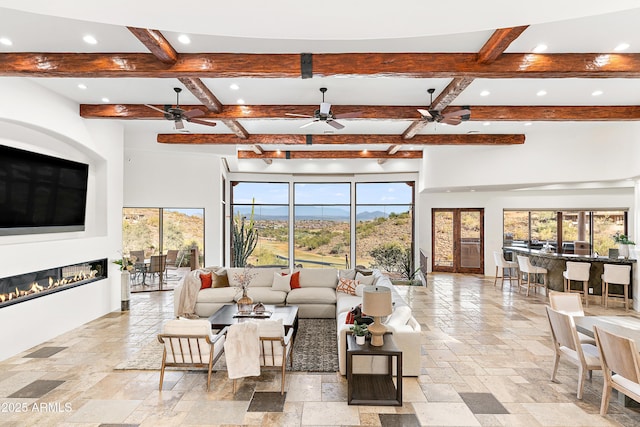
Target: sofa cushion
x=399, y=317
x=260, y=277
x=281, y=282
x=365, y=280
x=266, y=295
x=223, y=295
x=318, y=277
x=312, y=296
x=345, y=302
x=347, y=274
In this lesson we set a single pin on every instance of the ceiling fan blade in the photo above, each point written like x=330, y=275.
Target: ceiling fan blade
x=335, y=124
x=298, y=115
x=307, y=124
x=193, y=113
x=325, y=108
x=453, y=121
x=201, y=122
x=425, y=113
x=352, y=115
x=155, y=108
x=179, y=124
x=463, y=112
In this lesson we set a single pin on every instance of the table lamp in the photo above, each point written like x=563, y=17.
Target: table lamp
x=376, y=302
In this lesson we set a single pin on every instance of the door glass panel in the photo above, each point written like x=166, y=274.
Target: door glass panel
x=443, y=239
x=470, y=240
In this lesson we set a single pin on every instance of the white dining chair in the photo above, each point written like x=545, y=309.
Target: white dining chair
x=578, y=272
x=509, y=269
x=566, y=343
x=570, y=304
x=527, y=269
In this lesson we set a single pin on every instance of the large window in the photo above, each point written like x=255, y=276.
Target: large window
x=561, y=229
x=263, y=207
x=321, y=229
x=384, y=225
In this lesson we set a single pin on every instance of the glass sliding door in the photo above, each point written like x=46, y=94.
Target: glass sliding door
x=458, y=240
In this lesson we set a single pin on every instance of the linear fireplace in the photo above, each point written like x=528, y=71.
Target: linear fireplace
x=23, y=287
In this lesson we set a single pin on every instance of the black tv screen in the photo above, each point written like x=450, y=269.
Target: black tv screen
x=40, y=193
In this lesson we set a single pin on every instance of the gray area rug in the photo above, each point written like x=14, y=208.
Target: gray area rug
x=315, y=350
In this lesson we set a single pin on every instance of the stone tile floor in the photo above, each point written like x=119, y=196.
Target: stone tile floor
x=486, y=361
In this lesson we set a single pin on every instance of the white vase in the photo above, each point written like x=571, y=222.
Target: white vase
x=624, y=250
x=360, y=339
x=125, y=290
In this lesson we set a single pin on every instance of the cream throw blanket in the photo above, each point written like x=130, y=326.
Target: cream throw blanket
x=242, y=350
x=190, y=288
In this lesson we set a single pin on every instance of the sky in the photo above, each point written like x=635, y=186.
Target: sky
x=322, y=193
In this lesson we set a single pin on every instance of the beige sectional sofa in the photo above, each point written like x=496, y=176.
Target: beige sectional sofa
x=317, y=298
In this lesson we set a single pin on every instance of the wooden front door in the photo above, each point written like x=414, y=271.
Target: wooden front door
x=458, y=240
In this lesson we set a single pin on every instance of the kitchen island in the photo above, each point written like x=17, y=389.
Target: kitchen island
x=555, y=264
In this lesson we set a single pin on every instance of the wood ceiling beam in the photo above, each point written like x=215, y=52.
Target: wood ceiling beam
x=414, y=128
x=156, y=43
x=451, y=92
x=236, y=128
x=408, y=65
x=202, y=92
x=288, y=139
x=498, y=43
x=377, y=112
x=351, y=154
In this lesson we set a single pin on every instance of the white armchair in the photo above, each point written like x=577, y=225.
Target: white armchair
x=190, y=343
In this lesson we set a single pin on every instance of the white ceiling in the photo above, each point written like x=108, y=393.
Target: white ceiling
x=250, y=26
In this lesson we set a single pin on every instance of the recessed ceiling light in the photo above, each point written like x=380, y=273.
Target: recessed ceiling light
x=541, y=93
x=90, y=39
x=365, y=151
x=82, y=86
x=621, y=47
x=540, y=48
x=472, y=190
x=278, y=151
x=5, y=41
x=528, y=124
x=444, y=124
x=184, y=39
x=105, y=99
x=240, y=101
x=597, y=93
x=234, y=86
x=486, y=124
x=485, y=93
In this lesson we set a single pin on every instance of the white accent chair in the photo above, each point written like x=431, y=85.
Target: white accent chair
x=275, y=347
x=566, y=343
x=618, y=275
x=509, y=269
x=189, y=343
x=579, y=272
x=620, y=365
x=525, y=266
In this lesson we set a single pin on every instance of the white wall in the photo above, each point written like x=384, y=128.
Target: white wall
x=160, y=176
x=37, y=119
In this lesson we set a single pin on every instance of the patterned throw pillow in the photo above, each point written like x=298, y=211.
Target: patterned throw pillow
x=347, y=286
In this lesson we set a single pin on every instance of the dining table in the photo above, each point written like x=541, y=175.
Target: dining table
x=625, y=326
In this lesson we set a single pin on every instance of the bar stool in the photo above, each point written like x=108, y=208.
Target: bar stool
x=526, y=267
x=508, y=268
x=579, y=272
x=617, y=275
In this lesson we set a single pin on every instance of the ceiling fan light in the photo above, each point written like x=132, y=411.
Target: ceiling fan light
x=325, y=108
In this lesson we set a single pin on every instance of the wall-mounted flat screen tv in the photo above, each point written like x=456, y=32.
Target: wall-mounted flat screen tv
x=40, y=193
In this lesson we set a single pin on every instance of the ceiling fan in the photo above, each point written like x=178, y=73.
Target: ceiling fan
x=177, y=114
x=451, y=118
x=324, y=114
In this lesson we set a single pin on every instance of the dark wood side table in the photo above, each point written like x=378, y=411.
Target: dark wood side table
x=374, y=389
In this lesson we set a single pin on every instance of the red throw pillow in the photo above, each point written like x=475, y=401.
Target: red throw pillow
x=295, y=280
x=206, y=280
x=350, y=318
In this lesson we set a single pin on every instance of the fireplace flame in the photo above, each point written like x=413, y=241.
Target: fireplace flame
x=35, y=288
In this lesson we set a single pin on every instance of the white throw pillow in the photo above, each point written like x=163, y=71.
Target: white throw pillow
x=400, y=316
x=360, y=289
x=281, y=283
x=347, y=274
x=366, y=280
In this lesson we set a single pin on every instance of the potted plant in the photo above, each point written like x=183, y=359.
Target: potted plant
x=360, y=331
x=623, y=243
